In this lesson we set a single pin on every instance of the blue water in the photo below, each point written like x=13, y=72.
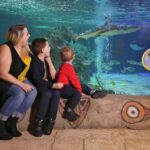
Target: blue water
x=110, y=62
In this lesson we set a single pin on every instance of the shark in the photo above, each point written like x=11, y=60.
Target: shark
x=108, y=30
x=40, y=26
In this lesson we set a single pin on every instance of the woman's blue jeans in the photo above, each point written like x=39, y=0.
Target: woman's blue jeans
x=18, y=102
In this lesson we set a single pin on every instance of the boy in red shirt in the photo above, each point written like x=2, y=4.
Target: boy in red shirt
x=73, y=89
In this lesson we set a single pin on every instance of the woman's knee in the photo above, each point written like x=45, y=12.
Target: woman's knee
x=33, y=93
x=17, y=92
x=31, y=96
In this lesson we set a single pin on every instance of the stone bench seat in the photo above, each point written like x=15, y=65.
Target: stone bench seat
x=109, y=112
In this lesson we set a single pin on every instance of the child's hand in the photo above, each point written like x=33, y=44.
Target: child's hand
x=58, y=85
x=45, y=79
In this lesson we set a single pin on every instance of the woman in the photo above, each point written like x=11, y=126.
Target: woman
x=16, y=92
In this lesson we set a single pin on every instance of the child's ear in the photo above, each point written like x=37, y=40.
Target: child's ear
x=42, y=50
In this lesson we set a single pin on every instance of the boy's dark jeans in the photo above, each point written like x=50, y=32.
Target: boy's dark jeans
x=48, y=105
x=72, y=95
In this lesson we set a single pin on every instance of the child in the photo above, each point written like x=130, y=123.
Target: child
x=47, y=90
x=73, y=89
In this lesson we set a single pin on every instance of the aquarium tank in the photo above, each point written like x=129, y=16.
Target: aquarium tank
x=108, y=37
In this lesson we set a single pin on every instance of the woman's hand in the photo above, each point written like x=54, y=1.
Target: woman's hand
x=26, y=87
x=58, y=85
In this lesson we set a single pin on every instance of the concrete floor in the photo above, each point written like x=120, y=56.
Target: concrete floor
x=100, y=128
x=82, y=139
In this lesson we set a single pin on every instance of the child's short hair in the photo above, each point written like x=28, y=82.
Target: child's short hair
x=37, y=45
x=66, y=54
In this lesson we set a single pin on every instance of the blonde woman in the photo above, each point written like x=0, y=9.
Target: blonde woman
x=17, y=93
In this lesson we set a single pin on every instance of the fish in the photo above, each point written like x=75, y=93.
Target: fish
x=40, y=26
x=128, y=69
x=114, y=62
x=132, y=62
x=136, y=47
x=108, y=30
x=86, y=63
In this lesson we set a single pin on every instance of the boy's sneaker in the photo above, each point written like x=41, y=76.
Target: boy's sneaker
x=70, y=115
x=98, y=93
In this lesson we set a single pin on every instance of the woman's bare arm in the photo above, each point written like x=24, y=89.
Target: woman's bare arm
x=5, y=63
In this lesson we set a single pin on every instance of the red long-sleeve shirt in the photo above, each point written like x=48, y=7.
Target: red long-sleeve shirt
x=67, y=75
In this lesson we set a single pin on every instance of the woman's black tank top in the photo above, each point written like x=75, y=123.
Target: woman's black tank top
x=17, y=66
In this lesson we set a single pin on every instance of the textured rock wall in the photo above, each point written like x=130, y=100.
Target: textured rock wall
x=113, y=111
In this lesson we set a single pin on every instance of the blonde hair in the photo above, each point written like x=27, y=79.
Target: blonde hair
x=26, y=52
x=15, y=33
x=66, y=54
